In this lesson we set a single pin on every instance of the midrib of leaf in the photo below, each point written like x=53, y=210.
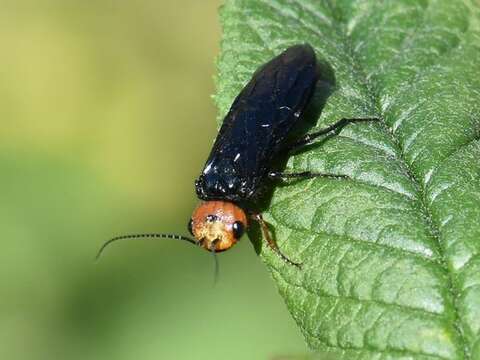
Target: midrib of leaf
x=420, y=196
x=291, y=284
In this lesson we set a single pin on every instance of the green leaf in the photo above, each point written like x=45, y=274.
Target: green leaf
x=391, y=255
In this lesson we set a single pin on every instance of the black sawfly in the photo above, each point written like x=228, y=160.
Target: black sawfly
x=253, y=135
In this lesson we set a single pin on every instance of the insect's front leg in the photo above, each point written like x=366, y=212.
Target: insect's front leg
x=309, y=138
x=269, y=240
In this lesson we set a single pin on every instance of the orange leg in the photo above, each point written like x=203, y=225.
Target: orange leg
x=272, y=244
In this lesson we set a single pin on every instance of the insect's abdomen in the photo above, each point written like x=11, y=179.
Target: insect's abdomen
x=256, y=127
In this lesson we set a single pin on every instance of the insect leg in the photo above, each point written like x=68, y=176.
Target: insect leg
x=302, y=175
x=270, y=242
x=308, y=139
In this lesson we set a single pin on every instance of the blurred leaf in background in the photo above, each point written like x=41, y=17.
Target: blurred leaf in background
x=106, y=120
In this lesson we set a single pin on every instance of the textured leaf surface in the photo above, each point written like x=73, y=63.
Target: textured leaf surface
x=391, y=255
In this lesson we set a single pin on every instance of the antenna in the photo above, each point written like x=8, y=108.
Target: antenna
x=137, y=236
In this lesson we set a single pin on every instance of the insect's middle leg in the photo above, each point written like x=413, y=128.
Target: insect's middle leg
x=309, y=138
x=274, y=175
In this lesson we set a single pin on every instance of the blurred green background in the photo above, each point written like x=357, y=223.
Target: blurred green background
x=106, y=119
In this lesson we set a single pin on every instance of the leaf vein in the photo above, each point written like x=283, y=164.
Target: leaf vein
x=380, y=303
x=433, y=228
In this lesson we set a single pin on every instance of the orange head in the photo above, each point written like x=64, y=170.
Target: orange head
x=217, y=225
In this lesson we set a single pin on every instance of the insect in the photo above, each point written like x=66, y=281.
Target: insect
x=253, y=135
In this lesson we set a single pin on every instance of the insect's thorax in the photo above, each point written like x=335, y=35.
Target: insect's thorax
x=221, y=180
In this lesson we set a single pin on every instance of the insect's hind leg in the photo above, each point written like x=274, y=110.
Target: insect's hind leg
x=309, y=138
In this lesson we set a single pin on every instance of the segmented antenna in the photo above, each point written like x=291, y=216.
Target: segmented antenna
x=136, y=236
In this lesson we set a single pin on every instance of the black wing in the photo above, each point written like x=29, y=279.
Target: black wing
x=256, y=127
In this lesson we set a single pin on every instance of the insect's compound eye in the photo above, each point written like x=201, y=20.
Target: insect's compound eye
x=190, y=227
x=238, y=229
